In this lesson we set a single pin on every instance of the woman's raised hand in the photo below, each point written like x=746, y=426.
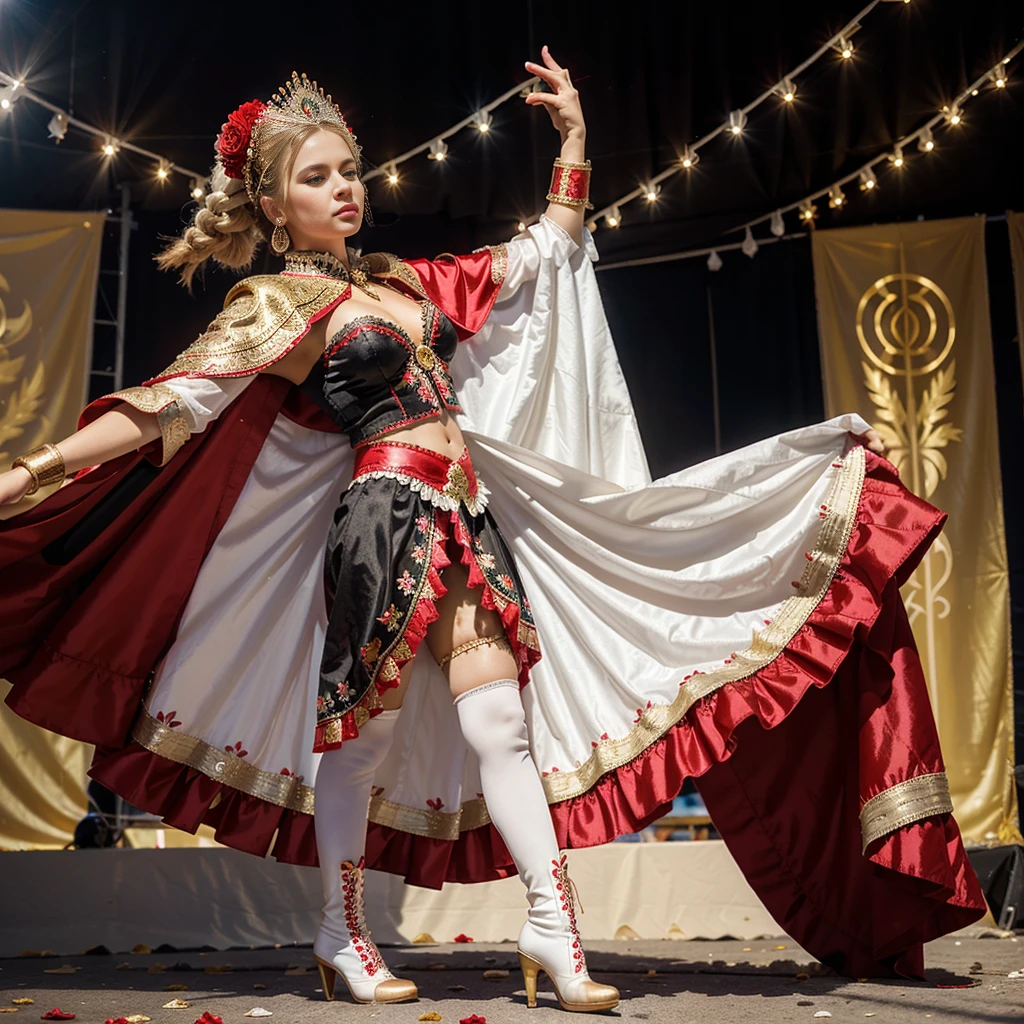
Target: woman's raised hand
x=563, y=102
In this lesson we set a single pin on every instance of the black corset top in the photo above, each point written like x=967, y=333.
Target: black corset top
x=373, y=377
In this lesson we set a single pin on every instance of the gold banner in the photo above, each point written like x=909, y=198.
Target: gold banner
x=1015, y=222
x=49, y=263
x=905, y=339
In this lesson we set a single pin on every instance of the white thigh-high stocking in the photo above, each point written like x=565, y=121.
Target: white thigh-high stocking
x=493, y=723
x=341, y=801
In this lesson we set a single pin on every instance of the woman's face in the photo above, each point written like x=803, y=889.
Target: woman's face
x=325, y=196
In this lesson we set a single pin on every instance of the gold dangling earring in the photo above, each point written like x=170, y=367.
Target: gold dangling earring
x=280, y=240
x=367, y=212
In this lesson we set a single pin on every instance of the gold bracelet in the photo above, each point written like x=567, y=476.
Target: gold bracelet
x=45, y=463
x=570, y=184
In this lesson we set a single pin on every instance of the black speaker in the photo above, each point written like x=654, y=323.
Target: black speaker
x=1000, y=870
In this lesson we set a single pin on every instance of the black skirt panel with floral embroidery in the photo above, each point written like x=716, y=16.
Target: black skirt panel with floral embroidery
x=385, y=548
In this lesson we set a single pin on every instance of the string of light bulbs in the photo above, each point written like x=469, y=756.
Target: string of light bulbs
x=785, y=89
x=14, y=89
x=951, y=117
x=436, y=148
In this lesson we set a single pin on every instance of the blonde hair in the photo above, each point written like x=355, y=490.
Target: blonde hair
x=227, y=227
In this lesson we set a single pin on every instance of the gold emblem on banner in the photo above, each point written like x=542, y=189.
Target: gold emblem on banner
x=906, y=327
x=17, y=409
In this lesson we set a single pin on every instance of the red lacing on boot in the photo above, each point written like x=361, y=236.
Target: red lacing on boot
x=567, y=896
x=355, y=918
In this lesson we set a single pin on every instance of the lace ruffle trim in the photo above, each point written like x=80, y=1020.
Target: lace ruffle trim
x=475, y=504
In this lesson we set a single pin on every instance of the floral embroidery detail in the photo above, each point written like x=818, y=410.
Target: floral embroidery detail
x=168, y=719
x=565, y=895
x=406, y=582
x=437, y=803
x=603, y=736
x=321, y=703
x=344, y=690
x=422, y=523
x=486, y=560
x=419, y=555
x=368, y=652
x=393, y=616
x=237, y=749
x=506, y=581
x=639, y=713
x=442, y=386
x=352, y=886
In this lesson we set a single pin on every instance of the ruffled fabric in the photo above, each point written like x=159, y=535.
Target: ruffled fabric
x=509, y=612
x=893, y=530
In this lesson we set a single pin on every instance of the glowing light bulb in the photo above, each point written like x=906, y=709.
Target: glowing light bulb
x=651, y=191
x=737, y=121
x=482, y=119
x=392, y=172
x=836, y=197
x=614, y=219
x=868, y=179
x=690, y=158
x=897, y=157
x=926, y=141
x=787, y=90
x=522, y=225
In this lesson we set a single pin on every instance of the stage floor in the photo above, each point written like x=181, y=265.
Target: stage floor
x=727, y=981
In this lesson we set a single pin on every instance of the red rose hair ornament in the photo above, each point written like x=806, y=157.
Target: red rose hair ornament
x=235, y=136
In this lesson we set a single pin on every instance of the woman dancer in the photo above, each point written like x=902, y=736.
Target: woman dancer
x=278, y=655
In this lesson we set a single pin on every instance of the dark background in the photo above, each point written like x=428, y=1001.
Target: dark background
x=652, y=77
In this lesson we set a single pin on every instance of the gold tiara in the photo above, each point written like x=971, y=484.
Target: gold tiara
x=297, y=101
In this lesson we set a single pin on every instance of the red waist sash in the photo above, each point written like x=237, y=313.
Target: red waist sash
x=454, y=479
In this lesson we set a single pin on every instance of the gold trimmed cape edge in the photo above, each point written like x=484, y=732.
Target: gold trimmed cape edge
x=899, y=805
x=766, y=645
x=289, y=791
x=902, y=804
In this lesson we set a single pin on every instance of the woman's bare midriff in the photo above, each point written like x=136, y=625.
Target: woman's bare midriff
x=441, y=434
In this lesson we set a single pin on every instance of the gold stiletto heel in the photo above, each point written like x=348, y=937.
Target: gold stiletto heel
x=529, y=967
x=327, y=976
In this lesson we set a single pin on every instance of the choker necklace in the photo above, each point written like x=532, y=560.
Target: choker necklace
x=307, y=261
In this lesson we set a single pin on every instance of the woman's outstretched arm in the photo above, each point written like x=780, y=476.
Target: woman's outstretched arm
x=113, y=434
x=563, y=107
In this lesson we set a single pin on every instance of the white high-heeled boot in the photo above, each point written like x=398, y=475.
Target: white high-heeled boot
x=494, y=724
x=341, y=799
